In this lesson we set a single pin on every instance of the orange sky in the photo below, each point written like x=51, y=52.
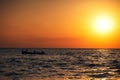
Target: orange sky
x=57, y=23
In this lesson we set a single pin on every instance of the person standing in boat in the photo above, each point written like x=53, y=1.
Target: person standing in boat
x=34, y=51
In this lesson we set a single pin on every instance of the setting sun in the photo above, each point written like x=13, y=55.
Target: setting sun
x=59, y=39
x=103, y=24
x=60, y=24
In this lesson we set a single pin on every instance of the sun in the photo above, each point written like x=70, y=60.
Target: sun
x=103, y=24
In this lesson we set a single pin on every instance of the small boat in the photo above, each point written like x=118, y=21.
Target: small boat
x=34, y=52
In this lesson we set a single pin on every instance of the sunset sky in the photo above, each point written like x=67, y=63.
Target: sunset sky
x=59, y=23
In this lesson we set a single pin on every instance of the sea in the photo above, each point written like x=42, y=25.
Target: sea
x=60, y=64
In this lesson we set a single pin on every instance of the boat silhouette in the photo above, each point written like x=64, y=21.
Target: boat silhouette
x=32, y=52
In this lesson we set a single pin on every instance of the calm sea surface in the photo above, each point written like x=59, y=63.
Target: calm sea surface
x=60, y=64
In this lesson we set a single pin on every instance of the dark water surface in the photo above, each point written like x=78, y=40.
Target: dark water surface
x=60, y=64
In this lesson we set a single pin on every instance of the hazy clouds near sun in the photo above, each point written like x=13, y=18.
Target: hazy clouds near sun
x=49, y=19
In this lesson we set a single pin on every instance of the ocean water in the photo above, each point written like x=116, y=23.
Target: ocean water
x=60, y=64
